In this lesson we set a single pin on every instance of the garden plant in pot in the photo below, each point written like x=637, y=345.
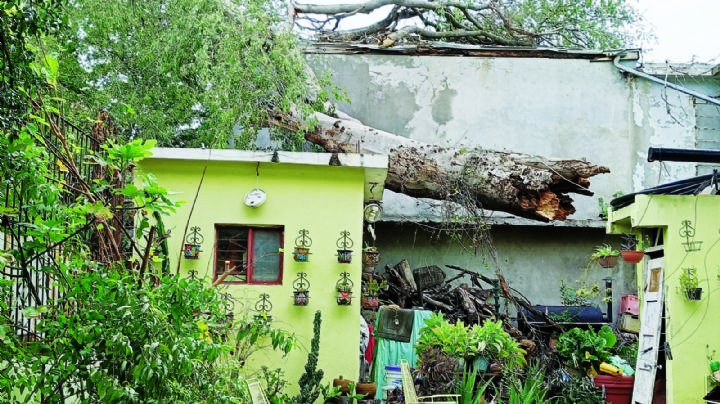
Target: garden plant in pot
x=344, y=289
x=301, y=292
x=371, y=256
x=444, y=349
x=371, y=290
x=689, y=284
x=605, y=255
x=633, y=249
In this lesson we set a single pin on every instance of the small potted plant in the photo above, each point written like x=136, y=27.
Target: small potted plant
x=344, y=245
x=344, y=290
x=632, y=249
x=301, y=292
x=371, y=256
x=689, y=284
x=605, y=255
x=370, y=294
x=302, y=246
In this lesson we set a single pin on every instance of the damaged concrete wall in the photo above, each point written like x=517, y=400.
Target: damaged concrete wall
x=572, y=107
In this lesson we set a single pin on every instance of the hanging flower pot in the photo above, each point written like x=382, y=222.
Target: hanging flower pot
x=192, y=251
x=605, y=255
x=302, y=246
x=370, y=301
x=344, y=256
x=301, y=254
x=632, y=257
x=344, y=245
x=192, y=243
x=694, y=293
x=344, y=298
x=344, y=289
x=371, y=257
x=301, y=294
x=301, y=297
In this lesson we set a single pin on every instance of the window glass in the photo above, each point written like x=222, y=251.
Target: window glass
x=249, y=254
x=266, y=260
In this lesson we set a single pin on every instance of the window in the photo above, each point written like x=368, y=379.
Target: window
x=250, y=254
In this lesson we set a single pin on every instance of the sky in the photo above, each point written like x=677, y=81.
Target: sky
x=686, y=30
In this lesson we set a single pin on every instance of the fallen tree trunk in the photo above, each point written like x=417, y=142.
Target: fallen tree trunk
x=524, y=185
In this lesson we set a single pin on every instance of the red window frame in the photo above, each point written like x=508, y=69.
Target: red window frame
x=249, y=257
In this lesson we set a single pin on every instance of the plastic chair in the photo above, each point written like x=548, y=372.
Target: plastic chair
x=411, y=395
x=257, y=394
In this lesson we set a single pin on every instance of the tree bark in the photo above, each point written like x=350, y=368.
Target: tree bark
x=524, y=185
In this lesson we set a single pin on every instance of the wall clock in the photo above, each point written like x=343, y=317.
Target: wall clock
x=255, y=197
x=372, y=212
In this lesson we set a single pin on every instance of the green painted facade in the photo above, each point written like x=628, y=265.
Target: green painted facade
x=692, y=327
x=303, y=192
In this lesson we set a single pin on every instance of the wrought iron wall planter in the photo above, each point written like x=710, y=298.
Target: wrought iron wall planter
x=344, y=245
x=301, y=294
x=192, y=243
x=302, y=246
x=344, y=289
x=263, y=306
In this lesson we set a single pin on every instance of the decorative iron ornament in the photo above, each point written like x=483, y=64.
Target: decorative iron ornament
x=229, y=302
x=301, y=283
x=303, y=240
x=194, y=237
x=344, y=284
x=687, y=231
x=192, y=274
x=263, y=304
x=344, y=242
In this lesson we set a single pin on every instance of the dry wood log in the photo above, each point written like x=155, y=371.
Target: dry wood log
x=466, y=301
x=429, y=300
x=403, y=269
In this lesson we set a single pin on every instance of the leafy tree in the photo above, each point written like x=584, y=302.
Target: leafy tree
x=20, y=23
x=583, y=24
x=184, y=72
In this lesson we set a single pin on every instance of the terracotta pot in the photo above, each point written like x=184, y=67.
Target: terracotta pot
x=344, y=384
x=608, y=262
x=632, y=257
x=368, y=389
x=344, y=298
x=301, y=297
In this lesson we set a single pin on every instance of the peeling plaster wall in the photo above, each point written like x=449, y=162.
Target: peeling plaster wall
x=566, y=108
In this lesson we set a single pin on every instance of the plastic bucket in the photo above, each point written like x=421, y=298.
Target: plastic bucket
x=618, y=389
x=393, y=376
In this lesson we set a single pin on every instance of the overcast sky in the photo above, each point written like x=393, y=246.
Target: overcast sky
x=685, y=30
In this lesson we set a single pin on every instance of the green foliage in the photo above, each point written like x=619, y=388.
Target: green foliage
x=580, y=296
x=604, y=250
x=21, y=23
x=533, y=390
x=688, y=281
x=460, y=341
x=184, y=72
x=310, y=387
x=584, y=349
x=112, y=341
x=469, y=394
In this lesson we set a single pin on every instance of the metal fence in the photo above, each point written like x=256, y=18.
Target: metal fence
x=34, y=282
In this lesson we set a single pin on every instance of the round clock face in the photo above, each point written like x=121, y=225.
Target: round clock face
x=372, y=212
x=255, y=198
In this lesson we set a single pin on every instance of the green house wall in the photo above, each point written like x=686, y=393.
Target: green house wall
x=322, y=199
x=692, y=327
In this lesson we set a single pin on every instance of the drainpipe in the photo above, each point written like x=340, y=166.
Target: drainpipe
x=616, y=62
x=609, y=294
x=684, y=155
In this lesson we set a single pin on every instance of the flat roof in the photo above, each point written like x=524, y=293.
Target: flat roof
x=453, y=49
x=374, y=165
